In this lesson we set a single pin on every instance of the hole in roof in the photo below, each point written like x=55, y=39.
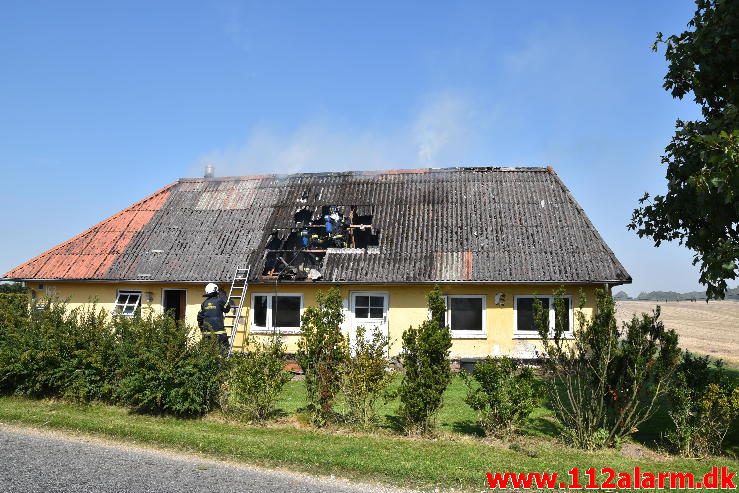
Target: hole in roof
x=297, y=251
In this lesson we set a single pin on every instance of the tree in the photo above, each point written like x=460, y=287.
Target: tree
x=12, y=287
x=426, y=364
x=322, y=351
x=604, y=382
x=701, y=207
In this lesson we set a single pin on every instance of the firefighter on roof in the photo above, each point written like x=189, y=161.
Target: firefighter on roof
x=210, y=316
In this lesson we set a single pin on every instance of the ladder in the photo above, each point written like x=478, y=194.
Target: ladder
x=236, y=297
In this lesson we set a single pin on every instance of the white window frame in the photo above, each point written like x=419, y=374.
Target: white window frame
x=527, y=334
x=269, y=328
x=378, y=294
x=119, y=308
x=466, y=334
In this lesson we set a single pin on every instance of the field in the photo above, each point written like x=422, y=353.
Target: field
x=706, y=328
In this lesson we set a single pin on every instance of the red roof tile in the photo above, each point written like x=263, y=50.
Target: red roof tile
x=90, y=254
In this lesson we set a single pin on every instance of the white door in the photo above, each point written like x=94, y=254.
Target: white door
x=369, y=310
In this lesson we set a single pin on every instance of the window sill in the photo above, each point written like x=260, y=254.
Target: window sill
x=284, y=332
x=467, y=335
x=525, y=336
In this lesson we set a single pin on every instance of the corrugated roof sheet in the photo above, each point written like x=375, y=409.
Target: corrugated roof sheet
x=446, y=225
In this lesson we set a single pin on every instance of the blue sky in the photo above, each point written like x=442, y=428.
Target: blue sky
x=106, y=102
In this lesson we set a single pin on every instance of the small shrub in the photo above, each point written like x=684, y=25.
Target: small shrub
x=162, y=371
x=365, y=377
x=426, y=366
x=255, y=380
x=703, y=404
x=322, y=350
x=504, y=395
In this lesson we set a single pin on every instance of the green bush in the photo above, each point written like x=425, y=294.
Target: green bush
x=322, y=350
x=18, y=344
x=426, y=366
x=255, y=380
x=56, y=353
x=163, y=371
x=12, y=305
x=89, y=366
x=365, y=377
x=703, y=404
x=503, y=393
x=84, y=355
x=604, y=382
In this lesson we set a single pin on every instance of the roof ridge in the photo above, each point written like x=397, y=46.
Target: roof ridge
x=375, y=172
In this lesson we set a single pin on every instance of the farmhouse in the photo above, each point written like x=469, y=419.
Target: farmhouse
x=492, y=238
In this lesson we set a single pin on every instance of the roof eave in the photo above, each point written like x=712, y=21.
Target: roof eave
x=613, y=282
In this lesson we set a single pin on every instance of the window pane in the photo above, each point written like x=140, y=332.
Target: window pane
x=127, y=302
x=567, y=312
x=361, y=312
x=361, y=301
x=377, y=301
x=376, y=313
x=260, y=311
x=466, y=313
x=286, y=311
x=525, y=313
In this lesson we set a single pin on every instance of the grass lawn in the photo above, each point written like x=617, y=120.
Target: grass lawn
x=457, y=459
x=456, y=417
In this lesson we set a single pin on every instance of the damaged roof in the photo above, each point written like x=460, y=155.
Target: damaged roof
x=482, y=224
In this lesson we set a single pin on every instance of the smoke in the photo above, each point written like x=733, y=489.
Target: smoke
x=439, y=133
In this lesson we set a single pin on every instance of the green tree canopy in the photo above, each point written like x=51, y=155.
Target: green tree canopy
x=701, y=207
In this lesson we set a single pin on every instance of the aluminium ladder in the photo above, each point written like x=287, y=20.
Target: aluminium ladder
x=236, y=296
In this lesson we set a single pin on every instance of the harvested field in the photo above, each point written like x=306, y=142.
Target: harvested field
x=707, y=328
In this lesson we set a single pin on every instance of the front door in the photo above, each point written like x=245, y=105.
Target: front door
x=174, y=302
x=369, y=310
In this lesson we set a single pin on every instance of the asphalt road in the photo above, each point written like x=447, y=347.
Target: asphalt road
x=32, y=461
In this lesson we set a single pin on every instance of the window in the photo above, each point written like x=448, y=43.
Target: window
x=524, y=314
x=272, y=312
x=127, y=302
x=465, y=315
x=368, y=306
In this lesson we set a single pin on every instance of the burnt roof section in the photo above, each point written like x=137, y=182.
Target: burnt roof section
x=482, y=224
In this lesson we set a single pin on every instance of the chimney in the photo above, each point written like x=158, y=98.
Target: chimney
x=210, y=171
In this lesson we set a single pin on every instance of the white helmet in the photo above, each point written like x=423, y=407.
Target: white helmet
x=211, y=288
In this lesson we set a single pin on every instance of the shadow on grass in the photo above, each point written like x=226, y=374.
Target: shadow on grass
x=544, y=426
x=279, y=414
x=468, y=427
x=394, y=423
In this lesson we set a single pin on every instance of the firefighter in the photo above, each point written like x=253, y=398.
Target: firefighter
x=210, y=316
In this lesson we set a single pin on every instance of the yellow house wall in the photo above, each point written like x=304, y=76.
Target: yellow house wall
x=407, y=306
